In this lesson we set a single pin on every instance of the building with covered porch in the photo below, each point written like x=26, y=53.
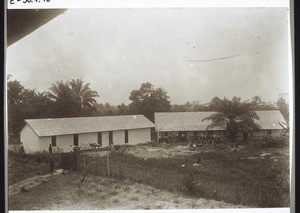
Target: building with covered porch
x=189, y=126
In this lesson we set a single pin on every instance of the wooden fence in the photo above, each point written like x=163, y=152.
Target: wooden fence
x=195, y=184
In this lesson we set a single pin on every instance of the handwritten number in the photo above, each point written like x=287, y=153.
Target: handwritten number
x=27, y=1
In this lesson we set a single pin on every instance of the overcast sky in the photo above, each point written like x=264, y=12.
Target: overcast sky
x=194, y=54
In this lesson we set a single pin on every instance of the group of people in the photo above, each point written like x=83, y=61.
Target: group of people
x=198, y=138
x=204, y=138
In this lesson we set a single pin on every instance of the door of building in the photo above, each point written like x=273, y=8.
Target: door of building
x=126, y=136
x=110, y=137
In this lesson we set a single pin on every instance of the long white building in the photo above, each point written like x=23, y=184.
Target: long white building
x=65, y=133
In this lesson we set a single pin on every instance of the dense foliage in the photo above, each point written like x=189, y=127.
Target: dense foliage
x=148, y=100
x=75, y=98
x=234, y=115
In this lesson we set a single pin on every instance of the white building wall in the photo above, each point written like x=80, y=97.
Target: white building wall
x=105, y=139
x=64, y=142
x=85, y=139
x=29, y=139
x=119, y=137
x=44, y=143
x=137, y=136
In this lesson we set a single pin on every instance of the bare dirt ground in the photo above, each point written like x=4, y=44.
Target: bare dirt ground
x=62, y=192
x=158, y=151
x=162, y=151
x=180, y=150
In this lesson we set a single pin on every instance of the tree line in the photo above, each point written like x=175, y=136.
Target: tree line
x=75, y=98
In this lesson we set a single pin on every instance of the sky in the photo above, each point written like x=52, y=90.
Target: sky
x=194, y=54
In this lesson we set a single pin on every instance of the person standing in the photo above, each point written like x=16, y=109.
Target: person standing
x=50, y=149
x=213, y=140
x=205, y=139
x=218, y=140
x=22, y=150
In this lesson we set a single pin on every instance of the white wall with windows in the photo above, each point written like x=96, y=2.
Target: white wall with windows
x=65, y=143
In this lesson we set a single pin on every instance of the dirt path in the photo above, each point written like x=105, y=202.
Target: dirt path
x=29, y=183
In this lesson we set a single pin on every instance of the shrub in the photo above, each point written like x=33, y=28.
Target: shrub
x=189, y=185
x=23, y=166
x=270, y=142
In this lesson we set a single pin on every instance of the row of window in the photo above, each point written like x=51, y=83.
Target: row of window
x=99, y=138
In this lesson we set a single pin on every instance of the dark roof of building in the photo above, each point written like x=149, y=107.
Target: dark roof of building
x=65, y=126
x=192, y=121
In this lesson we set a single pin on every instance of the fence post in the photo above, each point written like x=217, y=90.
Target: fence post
x=68, y=156
x=119, y=168
x=75, y=160
x=108, y=169
x=96, y=169
x=84, y=163
x=99, y=168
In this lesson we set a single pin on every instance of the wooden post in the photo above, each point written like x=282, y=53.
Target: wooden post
x=100, y=168
x=75, y=157
x=108, y=169
x=84, y=163
x=96, y=169
x=119, y=168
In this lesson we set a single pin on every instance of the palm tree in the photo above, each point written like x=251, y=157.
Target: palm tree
x=60, y=90
x=65, y=102
x=256, y=101
x=233, y=115
x=83, y=93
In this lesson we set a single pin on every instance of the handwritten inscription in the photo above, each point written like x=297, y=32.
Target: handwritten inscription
x=27, y=1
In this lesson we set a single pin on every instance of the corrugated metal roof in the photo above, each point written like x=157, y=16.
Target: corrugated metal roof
x=192, y=121
x=64, y=126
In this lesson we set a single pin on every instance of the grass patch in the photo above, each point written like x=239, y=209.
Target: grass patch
x=218, y=175
x=23, y=166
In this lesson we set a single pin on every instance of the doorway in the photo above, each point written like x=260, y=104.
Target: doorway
x=110, y=137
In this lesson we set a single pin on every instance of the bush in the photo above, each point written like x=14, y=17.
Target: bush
x=22, y=166
x=270, y=142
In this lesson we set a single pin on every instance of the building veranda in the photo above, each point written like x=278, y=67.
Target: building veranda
x=190, y=127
